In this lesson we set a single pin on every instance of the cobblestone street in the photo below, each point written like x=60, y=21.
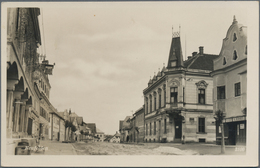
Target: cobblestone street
x=104, y=148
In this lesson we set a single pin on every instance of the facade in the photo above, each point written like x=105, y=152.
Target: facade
x=22, y=108
x=178, y=100
x=57, y=125
x=137, y=126
x=230, y=84
x=124, y=129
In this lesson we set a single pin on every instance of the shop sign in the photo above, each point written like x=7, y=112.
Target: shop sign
x=234, y=119
x=239, y=118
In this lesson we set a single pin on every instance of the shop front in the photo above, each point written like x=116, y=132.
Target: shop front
x=235, y=130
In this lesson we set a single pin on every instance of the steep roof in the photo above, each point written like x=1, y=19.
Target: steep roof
x=117, y=135
x=80, y=120
x=175, y=54
x=121, y=124
x=108, y=137
x=200, y=61
x=92, y=127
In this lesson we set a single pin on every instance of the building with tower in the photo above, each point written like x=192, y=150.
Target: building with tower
x=28, y=88
x=178, y=99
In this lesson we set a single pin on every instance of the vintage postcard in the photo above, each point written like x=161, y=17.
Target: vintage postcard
x=147, y=84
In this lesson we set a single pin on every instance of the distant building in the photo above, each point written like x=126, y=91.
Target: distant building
x=137, y=126
x=230, y=84
x=178, y=99
x=124, y=129
x=57, y=127
x=115, y=138
x=100, y=135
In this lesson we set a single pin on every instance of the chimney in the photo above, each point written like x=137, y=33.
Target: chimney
x=194, y=53
x=201, y=49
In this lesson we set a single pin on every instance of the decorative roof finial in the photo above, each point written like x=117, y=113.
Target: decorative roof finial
x=234, y=19
x=172, y=30
x=159, y=69
x=163, y=64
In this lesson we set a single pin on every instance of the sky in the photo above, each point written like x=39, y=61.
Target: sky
x=105, y=53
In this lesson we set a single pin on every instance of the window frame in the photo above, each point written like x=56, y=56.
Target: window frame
x=201, y=95
x=174, y=95
x=202, y=128
x=237, y=89
x=220, y=90
x=154, y=127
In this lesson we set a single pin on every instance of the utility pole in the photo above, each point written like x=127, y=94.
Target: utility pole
x=219, y=116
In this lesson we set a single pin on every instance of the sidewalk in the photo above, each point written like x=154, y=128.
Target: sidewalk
x=55, y=148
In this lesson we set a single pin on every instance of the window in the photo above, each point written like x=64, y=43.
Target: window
x=221, y=92
x=224, y=61
x=246, y=50
x=150, y=104
x=150, y=128
x=155, y=102
x=201, y=96
x=160, y=99
x=237, y=89
x=165, y=126
x=154, y=128
x=234, y=55
x=174, y=94
x=146, y=105
x=202, y=125
x=164, y=94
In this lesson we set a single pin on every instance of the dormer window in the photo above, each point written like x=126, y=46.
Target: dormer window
x=234, y=37
x=173, y=63
x=224, y=61
x=234, y=55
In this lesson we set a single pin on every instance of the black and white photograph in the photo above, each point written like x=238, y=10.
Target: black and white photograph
x=139, y=83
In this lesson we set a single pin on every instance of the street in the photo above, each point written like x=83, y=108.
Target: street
x=105, y=148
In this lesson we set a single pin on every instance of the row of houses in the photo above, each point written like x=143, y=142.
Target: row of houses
x=181, y=100
x=29, y=112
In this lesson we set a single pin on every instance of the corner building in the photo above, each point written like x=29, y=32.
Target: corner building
x=178, y=100
x=230, y=84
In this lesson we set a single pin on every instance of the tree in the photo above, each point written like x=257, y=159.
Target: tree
x=219, y=116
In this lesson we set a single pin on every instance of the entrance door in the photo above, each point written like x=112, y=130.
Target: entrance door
x=29, y=129
x=241, y=133
x=178, y=128
x=232, y=131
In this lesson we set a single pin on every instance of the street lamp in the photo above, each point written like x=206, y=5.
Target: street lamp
x=219, y=116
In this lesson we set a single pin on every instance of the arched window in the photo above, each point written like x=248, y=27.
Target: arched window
x=155, y=101
x=202, y=85
x=151, y=103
